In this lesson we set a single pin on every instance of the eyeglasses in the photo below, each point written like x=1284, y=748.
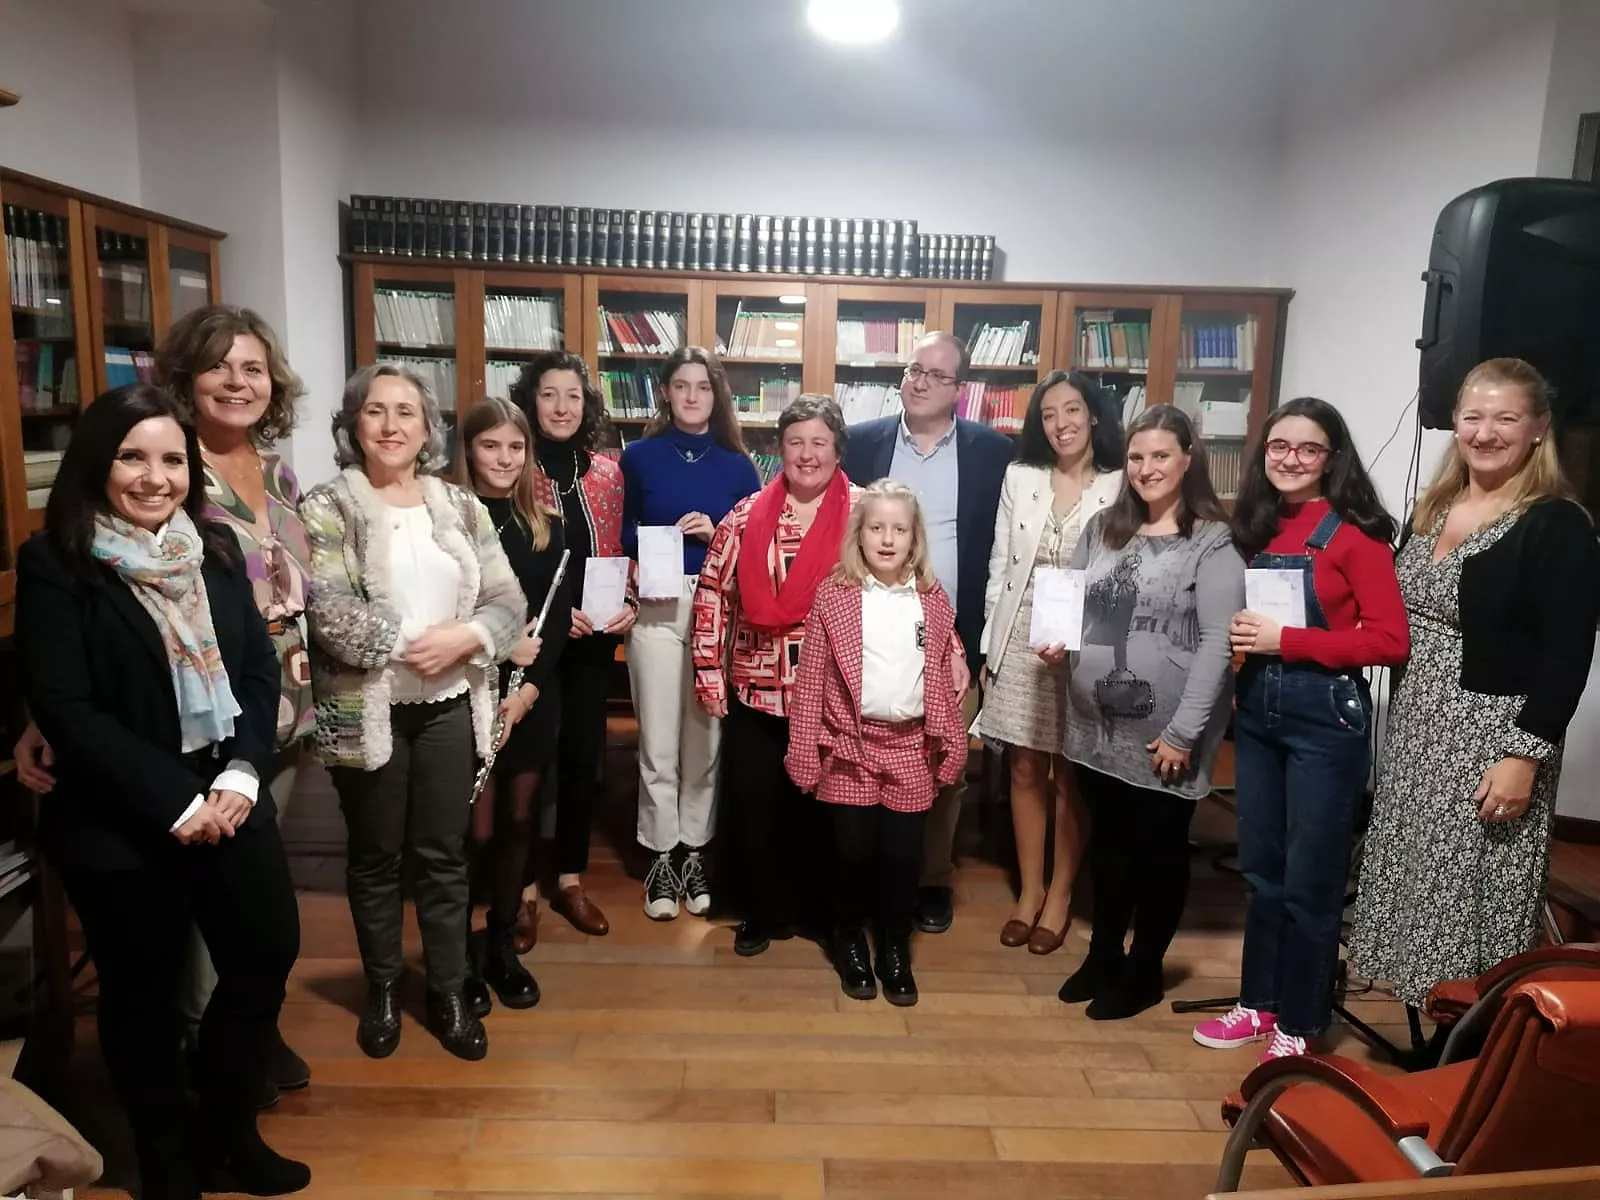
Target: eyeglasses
x=1306, y=453
x=914, y=373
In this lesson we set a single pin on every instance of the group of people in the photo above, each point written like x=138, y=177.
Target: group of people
x=189, y=623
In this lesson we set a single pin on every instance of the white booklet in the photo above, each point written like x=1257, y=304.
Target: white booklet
x=1278, y=594
x=660, y=562
x=605, y=589
x=1057, y=608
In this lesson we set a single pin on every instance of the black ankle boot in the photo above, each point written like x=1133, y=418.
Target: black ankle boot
x=1136, y=988
x=458, y=1031
x=473, y=990
x=854, y=963
x=1094, y=975
x=379, y=1031
x=256, y=1169
x=894, y=968
x=286, y=1070
x=504, y=970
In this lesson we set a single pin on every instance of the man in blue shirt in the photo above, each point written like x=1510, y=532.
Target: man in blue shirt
x=956, y=468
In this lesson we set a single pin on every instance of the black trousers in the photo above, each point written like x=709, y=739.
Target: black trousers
x=877, y=863
x=137, y=925
x=773, y=841
x=1139, y=861
x=585, y=668
x=413, y=809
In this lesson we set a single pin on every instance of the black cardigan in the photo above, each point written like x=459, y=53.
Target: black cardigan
x=99, y=685
x=1529, y=606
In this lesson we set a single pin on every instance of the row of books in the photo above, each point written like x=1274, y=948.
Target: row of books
x=125, y=366
x=762, y=335
x=514, y=322
x=628, y=394
x=767, y=403
x=995, y=405
x=877, y=339
x=415, y=318
x=38, y=262
x=438, y=373
x=47, y=375
x=1105, y=343
x=124, y=277
x=1225, y=462
x=39, y=469
x=648, y=331
x=1003, y=345
x=1226, y=347
x=867, y=401
x=498, y=376
x=652, y=240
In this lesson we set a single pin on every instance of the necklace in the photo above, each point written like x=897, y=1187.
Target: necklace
x=689, y=456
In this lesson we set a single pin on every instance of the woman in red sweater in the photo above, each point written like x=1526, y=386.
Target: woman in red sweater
x=1307, y=512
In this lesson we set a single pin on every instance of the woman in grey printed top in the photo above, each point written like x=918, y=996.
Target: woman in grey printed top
x=1148, y=700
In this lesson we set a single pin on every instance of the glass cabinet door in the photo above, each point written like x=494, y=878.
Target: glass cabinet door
x=1222, y=376
x=523, y=316
x=761, y=338
x=875, y=329
x=123, y=304
x=1010, y=340
x=189, y=274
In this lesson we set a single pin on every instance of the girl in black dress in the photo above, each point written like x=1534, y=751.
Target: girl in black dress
x=497, y=463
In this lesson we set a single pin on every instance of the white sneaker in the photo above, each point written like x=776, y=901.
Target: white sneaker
x=661, y=890
x=692, y=880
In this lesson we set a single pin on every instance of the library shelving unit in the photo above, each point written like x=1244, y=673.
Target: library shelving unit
x=92, y=285
x=1213, y=350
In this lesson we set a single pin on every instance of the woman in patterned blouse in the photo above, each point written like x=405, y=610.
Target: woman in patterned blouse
x=228, y=373
x=757, y=584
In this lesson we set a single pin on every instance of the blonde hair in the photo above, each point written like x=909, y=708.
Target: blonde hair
x=852, y=568
x=488, y=414
x=1539, y=478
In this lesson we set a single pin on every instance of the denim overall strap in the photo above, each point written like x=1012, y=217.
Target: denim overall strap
x=1272, y=668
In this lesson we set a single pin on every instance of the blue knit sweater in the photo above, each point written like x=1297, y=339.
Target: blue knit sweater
x=661, y=484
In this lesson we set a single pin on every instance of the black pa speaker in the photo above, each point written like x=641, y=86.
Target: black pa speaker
x=1514, y=271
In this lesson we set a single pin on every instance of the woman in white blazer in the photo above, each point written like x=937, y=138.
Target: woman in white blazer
x=1068, y=467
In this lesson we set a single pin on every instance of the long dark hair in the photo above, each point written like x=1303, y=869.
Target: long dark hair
x=525, y=393
x=724, y=420
x=1197, y=499
x=1105, y=435
x=79, y=493
x=1345, y=482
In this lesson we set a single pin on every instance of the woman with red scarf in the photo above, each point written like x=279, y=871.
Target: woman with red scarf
x=767, y=558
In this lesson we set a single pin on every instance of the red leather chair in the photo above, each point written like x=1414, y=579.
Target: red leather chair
x=1530, y=1100
x=1451, y=1004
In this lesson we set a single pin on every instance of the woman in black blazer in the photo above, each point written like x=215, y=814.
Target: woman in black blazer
x=1500, y=572
x=149, y=670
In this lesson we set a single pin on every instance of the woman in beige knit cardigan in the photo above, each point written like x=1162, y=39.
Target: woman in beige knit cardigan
x=412, y=605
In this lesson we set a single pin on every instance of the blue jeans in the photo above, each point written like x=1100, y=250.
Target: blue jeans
x=1301, y=755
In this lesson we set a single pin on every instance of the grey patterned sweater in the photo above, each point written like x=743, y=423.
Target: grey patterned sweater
x=354, y=624
x=1155, y=660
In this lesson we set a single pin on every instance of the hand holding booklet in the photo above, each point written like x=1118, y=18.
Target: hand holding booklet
x=1057, y=608
x=1278, y=594
x=605, y=589
x=660, y=562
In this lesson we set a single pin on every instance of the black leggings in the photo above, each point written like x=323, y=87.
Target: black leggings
x=877, y=866
x=502, y=833
x=1139, y=857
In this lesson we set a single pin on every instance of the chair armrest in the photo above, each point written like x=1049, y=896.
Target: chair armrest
x=1385, y=1104
x=1493, y=984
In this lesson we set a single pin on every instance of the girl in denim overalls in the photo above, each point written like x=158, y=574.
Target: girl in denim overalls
x=1300, y=729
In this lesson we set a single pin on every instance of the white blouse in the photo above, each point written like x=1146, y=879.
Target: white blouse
x=893, y=660
x=424, y=582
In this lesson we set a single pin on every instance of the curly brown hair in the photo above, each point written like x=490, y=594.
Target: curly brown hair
x=201, y=339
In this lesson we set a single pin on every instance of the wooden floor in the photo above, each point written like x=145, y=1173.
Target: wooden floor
x=659, y=1064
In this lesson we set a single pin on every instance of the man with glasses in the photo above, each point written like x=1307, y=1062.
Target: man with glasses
x=956, y=468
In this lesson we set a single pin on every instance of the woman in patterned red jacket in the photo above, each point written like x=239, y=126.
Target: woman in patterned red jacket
x=875, y=729
x=567, y=414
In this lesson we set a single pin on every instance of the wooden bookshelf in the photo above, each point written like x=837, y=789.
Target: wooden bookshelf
x=114, y=276
x=1054, y=315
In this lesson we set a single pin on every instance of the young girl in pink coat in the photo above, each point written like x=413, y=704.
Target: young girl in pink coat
x=875, y=729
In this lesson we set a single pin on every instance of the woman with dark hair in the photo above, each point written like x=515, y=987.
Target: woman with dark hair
x=688, y=470
x=1500, y=572
x=1066, y=471
x=1300, y=725
x=148, y=667
x=566, y=415
x=494, y=458
x=413, y=606
x=1148, y=700
x=229, y=377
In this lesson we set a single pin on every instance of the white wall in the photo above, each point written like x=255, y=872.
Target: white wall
x=1359, y=195
x=1574, y=84
x=76, y=124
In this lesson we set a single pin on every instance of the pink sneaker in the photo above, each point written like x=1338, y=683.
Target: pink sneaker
x=1238, y=1027
x=1284, y=1045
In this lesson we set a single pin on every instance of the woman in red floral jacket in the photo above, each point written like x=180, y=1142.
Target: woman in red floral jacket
x=875, y=729
x=567, y=415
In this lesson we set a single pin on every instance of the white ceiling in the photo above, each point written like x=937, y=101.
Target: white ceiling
x=1217, y=69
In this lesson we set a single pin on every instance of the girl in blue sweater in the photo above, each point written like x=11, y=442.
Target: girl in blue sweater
x=687, y=470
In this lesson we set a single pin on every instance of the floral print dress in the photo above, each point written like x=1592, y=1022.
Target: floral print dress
x=1444, y=895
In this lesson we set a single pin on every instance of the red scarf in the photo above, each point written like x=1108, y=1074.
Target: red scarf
x=765, y=605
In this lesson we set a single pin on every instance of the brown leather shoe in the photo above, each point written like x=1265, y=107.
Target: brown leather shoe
x=1046, y=941
x=574, y=904
x=1015, y=933
x=526, y=934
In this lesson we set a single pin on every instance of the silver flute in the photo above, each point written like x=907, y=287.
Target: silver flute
x=515, y=682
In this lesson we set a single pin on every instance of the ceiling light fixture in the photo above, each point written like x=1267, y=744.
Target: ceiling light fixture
x=853, y=22
x=791, y=299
